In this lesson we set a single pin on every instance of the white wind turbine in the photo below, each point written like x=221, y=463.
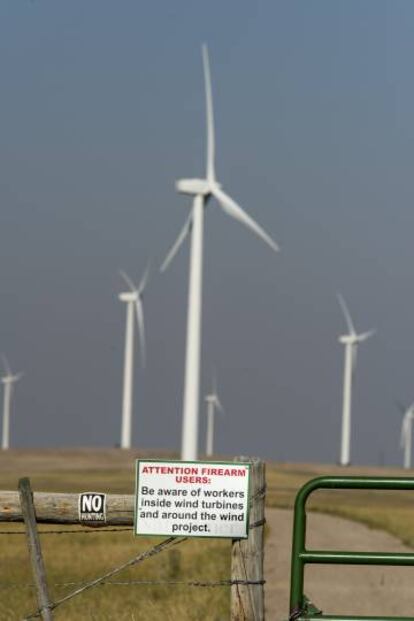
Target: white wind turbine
x=133, y=299
x=407, y=433
x=202, y=190
x=213, y=402
x=351, y=342
x=7, y=380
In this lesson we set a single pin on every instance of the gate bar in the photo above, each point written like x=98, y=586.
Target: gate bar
x=301, y=556
x=358, y=558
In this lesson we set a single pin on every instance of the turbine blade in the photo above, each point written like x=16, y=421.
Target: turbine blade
x=365, y=335
x=17, y=376
x=347, y=314
x=214, y=382
x=141, y=329
x=128, y=280
x=175, y=247
x=214, y=393
x=144, y=280
x=219, y=405
x=401, y=407
x=235, y=211
x=211, y=173
x=6, y=365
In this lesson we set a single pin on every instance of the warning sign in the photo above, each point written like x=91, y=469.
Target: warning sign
x=192, y=499
x=92, y=507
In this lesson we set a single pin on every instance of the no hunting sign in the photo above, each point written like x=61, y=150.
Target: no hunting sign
x=192, y=499
x=92, y=507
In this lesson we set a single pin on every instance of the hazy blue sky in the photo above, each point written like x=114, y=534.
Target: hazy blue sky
x=102, y=108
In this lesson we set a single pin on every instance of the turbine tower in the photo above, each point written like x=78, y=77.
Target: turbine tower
x=213, y=402
x=133, y=299
x=201, y=190
x=7, y=380
x=407, y=433
x=351, y=342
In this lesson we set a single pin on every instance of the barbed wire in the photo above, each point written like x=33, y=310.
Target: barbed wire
x=168, y=543
x=93, y=531
x=190, y=583
x=261, y=493
x=160, y=547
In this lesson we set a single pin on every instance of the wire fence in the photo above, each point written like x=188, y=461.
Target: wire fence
x=45, y=609
x=189, y=583
x=154, y=550
x=157, y=549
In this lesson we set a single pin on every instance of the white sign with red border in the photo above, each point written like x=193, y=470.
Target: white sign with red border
x=192, y=499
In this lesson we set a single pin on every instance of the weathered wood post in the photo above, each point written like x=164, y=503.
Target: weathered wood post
x=247, y=600
x=35, y=551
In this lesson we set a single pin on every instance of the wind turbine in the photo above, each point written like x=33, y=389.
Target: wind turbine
x=406, y=433
x=8, y=380
x=202, y=190
x=213, y=402
x=351, y=342
x=133, y=299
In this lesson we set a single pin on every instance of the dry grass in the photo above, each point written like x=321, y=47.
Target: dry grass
x=389, y=511
x=83, y=557
x=78, y=558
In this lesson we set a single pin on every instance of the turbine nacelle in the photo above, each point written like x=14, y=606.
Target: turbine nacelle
x=128, y=296
x=213, y=399
x=196, y=187
x=10, y=379
x=348, y=339
x=352, y=338
x=355, y=339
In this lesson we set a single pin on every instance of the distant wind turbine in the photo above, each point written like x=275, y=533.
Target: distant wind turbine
x=213, y=402
x=201, y=190
x=351, y=342
x=133, y=299
x=8, y=380
x=406, y=433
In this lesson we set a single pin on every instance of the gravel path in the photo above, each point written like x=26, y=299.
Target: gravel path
x=347, y=590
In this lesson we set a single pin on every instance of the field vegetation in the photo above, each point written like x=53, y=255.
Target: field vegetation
x=390, y=511
x=77, y=558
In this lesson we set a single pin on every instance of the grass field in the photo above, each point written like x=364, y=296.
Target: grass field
x=81, y=557
x=389, y=511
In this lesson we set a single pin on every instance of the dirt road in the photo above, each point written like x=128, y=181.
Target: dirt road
x=347, y=590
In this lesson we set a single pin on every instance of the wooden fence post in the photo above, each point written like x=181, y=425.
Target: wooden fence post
x=247, y=600
x=35, y=551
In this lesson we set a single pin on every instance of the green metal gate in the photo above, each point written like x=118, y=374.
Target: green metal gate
x=300, y=607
